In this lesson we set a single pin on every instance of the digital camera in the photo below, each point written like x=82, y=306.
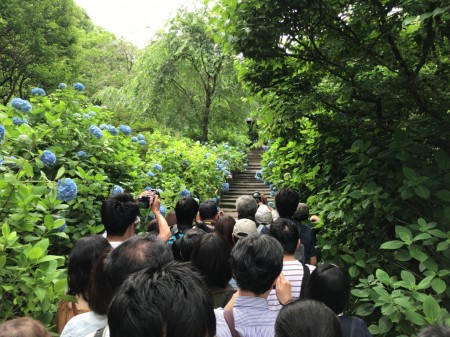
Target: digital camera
x=146, y=198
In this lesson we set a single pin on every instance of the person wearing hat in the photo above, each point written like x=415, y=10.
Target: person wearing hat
x=243, y=228
x=264, y=218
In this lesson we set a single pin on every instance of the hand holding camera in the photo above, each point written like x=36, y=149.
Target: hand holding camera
x=148, y=198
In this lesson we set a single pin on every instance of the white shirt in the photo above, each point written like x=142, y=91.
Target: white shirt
x=83, y=324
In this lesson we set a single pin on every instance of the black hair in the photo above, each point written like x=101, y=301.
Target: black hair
x=118, y=212
x=287, y=201
x=23, y=327
x=246, y=207
x=302, y=212
x=286, y=233
x=136, y=253
x=307, y=318
x=153, y=227
x=186, y=210
x=256, y=261
x=163, y=302
x=182, y=248
x=435, y=330
x=211, y=257
x=224, y=227
x=329, y=284
x=207, y=209
x=82, y=258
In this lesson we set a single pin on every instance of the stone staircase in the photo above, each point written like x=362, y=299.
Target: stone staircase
x=244, y=183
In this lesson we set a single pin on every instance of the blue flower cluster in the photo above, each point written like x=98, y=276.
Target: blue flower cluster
x=226, y=163
x=134, y=139
x=271, y=164
x=225, y=187
x=140, y=136
x=48, y=158
x=67, y=189
x=2, y=132
x=62, y=86
x=142, y=142
x=103, y=126
x=157, y=167
x=157, y=150
x=23, y=138
x=92, y=113
x=150, y=174
x=117, y=189
x=81, y=154
x=38, y=92
x=265, y=147
x=95, y=130
x=112, y=130
x=18, y=121
x=226, y=146
x=21, y=104
x=258, y=175
x=163, y=210
x=271, y=204
x=125, y=129
x=185, y=193
x=185, y=163
x=207, y=155
x=78, y=86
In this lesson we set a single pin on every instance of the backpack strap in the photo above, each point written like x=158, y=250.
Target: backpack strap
x=229, y=318
x=306, y=274
x=99, y=332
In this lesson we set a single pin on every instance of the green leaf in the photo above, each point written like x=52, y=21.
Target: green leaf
x=431, y=310
x=417, y=253
x=385, y=324
x=365, y=309
x=382, y=276
x=43, y=244
x=442, y=246
x=415, y=317
x=438, y=285
x=34, y=253
x=422, y=191
x=356, y=194
x=5, y=230
x=425, y=283
x=409, y=174
x=395, y=244
x=408, y=277
x=60, y=172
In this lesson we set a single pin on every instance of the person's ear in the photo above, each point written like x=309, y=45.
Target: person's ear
x=298, y=244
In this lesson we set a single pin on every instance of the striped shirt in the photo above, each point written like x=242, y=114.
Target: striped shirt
x=293, y=272
x=252, y=318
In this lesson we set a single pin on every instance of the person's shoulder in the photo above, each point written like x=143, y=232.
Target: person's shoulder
x=354, y=323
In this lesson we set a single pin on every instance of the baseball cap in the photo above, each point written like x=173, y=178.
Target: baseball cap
x=263, y=215
x=244, y=227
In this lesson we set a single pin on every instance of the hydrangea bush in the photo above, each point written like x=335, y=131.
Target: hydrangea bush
x=53, y=184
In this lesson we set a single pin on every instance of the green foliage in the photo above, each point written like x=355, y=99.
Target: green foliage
x=38, y=228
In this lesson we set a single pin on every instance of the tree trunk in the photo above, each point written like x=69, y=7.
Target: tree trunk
x=205, y=121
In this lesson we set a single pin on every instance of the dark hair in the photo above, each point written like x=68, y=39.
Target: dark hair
x=82, y=258
x=182, y=248
x=302, y=212
x=329, y=284
x=136, y=253
x=171, y=218
x=246, y=207
x=153, y=227
x=224, y=227
x=186, y=210
x=287, y=201
x=211, y=257
x=23, y=327
x=256, y=261
x=286, y=233
x=435, y=330
x=207, y=209
x=307, y=318
x=162, y=302
x=118, y=212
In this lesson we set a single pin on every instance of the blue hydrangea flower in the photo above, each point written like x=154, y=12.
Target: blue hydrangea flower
x=219, y=167
x=76, y=115
x=226, y=146
x=271, y=164
x=92, y=113
x=134, y=139
x=142, y=142
x=148, y=188
x=62, y=86
x=271, y=204
x=150, y=174
x=21, y=104
x=173, y=151
x=157, y=150
x=185, y=193
x=265, y=147
x=207, y=155
x=117, y=189
x=103, y=127
x=225, y=187
x=219, y=161
x=23, y=138
x=112, y=130
x=163, y=210
x=17, y=121
x=227, y=173
x=87, y=116
x=95, y=130
x=1, y=160
x=2, y=132
x=157, y=167
x=272, y=193
x=81, y=154
x=185, y=163
x=48, y=158
x=78, y=86
x=67, y=189
x=38, y=92
x=140, y=136
x=125, y=129
x=164, y=152
x=258, y=175
x=226, y=163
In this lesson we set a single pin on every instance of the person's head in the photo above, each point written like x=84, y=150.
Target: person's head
x=208, y=210
x=302, y=212
x=243, y=228
x=329, y=284
x=287, y=201
x=111, y=270
x=168, y=301
x=186, y=210
x=119, y=212
x=171, y=218
x=182, y=248
x=23, y=327
x=307, y=318
x=224, y=227
x=256, y=261
x=435, y=330
x=246, y=207
x=257, y=196
x=211, y=257
x=153, y=227
x=82, y=258
x=286, y=233
x=264, y=215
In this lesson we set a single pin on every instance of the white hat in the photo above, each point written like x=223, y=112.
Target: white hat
x=263, y=215
x=244, y=227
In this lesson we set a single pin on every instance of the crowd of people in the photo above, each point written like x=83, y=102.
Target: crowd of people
x=198, y=272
